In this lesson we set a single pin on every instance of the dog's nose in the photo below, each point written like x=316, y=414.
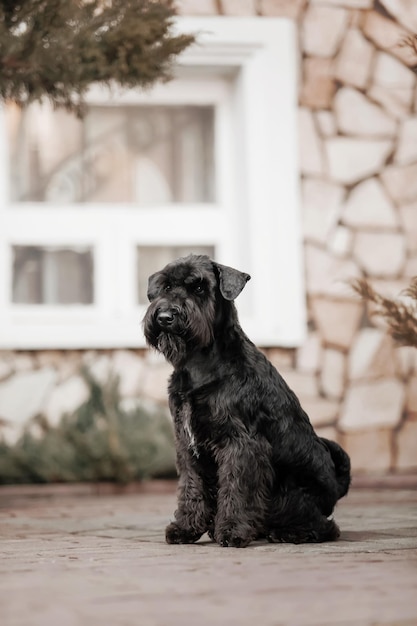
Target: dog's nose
x=165, y=318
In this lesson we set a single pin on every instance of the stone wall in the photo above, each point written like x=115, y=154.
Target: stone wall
x=358, y=156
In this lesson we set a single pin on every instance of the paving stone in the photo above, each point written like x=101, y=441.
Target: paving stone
x=327, y=274
x=369, y=206
x=318, y=87
x=372, y=404
x=333, y=371
x=408, y=217
x=369, y=451
x=406, y=152
x=352, y=159
x=337, y=320
x=370, y=251
x=387, y=34
x=401, y=182
x=353, y=64
x=284, y=8
x=65, y=398
x=357, y=115
x=406, y=441
x=322, y=30
x=321, y=206
x=310, y=148
x=89, y=559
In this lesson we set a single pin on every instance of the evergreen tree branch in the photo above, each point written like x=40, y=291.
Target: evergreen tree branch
x=59, y=48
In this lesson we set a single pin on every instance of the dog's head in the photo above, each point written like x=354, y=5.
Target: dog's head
x=187, y=302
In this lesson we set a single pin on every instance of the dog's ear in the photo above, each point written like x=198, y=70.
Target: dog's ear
x=231, y=281
x=153, y=285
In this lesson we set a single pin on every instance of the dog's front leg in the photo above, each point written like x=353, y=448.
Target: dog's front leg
x=245, y=479
x=194, y=514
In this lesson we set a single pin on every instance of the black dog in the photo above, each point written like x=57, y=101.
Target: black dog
x=250, y=464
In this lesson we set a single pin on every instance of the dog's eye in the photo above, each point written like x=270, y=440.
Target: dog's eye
x=167, y=288
x=199, y=288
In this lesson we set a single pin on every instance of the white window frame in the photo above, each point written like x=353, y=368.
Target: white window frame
x=255, y=222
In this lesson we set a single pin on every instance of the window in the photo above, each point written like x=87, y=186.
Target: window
x=205, y=163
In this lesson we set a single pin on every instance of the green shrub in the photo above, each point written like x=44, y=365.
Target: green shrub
x=100, y=441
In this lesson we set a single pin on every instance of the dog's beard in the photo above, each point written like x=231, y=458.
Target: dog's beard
x=173, y=347
x=195, y=330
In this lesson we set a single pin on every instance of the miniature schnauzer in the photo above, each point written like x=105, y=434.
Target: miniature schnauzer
x=250, y=464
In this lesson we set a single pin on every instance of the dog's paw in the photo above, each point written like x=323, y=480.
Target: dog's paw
x=232, y=537
x=176, y=534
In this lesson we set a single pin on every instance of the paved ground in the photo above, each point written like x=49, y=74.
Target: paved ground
x=84, y=559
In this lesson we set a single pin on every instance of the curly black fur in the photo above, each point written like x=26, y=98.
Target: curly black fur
x=250, y=464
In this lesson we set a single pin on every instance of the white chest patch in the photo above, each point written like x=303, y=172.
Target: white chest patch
x=192, y=443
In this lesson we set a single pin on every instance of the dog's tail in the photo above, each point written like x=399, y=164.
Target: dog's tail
x=341, y=462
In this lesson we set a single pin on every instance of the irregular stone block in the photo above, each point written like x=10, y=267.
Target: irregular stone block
x=411, y=399
x=340, y=241
x=408, y=216
x=404, y=11
x=5, y=369
x=327, y=274
x=281, y=358
x=369, y=206
x=373, y=404
x=197, y=7
x=388, y=35
x=401, y=182
x=65, y=398
x=155, y=383
x=22, y=396
x=350, y=159
x=372, y=355
x=321, y=411
x=406, y=152
x=326, y=123
x=239, y=7
x=284, y=8
x=308, y=355
x=310, y=148
x=318, y=86
x=337, y=320
x=131, y=370
x=304, y=384
x=353, y=64
x=406, y=441
x=322, y=30
x=370, y=251
x=356, y=115
x=351, y=4
x=333, y=371
x=321, y=208
x=369, y=451
x=392, y=86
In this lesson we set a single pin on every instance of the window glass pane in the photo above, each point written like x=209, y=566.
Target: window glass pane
x=46, y=275
x=150, y=259
x=131, y=154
